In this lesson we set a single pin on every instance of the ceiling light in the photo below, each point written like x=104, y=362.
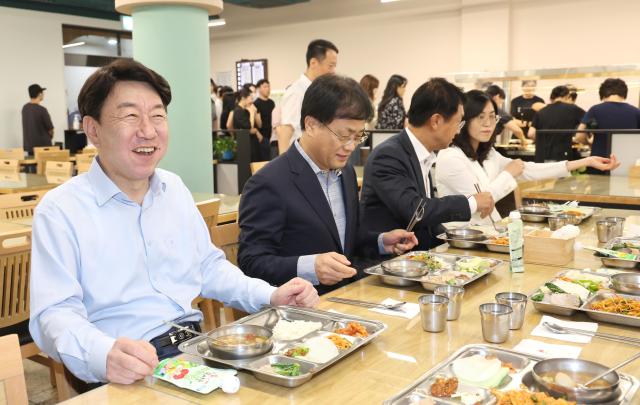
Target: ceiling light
x=218, y=22
x=112, y=41
x=71, y=45
x=388, y=1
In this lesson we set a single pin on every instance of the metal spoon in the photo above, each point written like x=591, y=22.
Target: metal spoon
x=555, y=328
x=367, y=304
x=599, y=376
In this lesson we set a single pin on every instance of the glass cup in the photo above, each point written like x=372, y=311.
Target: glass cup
x=518, y=303
x=605, y=230
x=495, y=319
x=433, y=312
x=455, y=294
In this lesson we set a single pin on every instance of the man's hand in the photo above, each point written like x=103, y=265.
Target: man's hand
x=399, y=241
x=130, y=360
x=296, y=292
x=485, y=203
x=332, y=267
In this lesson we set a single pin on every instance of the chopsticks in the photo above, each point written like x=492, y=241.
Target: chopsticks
x=366, y=304
x=417, y=214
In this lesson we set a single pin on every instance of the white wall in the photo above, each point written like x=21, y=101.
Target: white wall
x=31, y=46
x=462, y=36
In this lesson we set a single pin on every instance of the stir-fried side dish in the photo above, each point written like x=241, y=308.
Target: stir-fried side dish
x=627, y=247
x=289, y=370
x=297, y=351
x=526, y=397
x=432, y=262
x=499, y=240
x=340, y=342
x=353, y=329
x=618, y=305
x=444, y=387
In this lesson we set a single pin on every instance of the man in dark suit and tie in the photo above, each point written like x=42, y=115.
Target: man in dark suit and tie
x=396, y=176
x=299, y=214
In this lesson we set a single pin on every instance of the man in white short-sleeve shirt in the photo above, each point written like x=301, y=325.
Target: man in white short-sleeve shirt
x=322, y=58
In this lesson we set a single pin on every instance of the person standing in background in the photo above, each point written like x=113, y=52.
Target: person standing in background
x=322, y=58
x=505, y=120
x=613, y=113
x=560, y=114
x=214, y=113
x=265, y=107
x=391, y=112
x=245, y=116
x=524, y=107
x=370, y=85
x=37, y=128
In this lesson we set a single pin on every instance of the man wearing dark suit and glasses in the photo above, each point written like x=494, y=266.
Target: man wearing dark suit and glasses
x=396, y=176
x=299, y=214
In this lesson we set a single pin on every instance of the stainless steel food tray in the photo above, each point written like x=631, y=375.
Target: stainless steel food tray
x=586, y=306
x=426, y=284
x=476, y=244
x=268, y=318
x=541, y=217
x=621, y=263
x=522, y=362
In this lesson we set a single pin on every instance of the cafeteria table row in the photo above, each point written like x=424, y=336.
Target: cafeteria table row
x=404, y=351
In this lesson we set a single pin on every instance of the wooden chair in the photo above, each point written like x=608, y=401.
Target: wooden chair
x=19, y=205
x=39, y=149
x=43, y=157
x=15, y=269
x=59, y=169
x=12, y=382
x=9, y=166
x=12, y=153
x=85, y=157
x=255, y=166
x=226, y=237
x=634, y=171
x=82, y=167
x=210, y=308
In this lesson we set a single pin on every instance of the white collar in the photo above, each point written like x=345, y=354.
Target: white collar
x=422, y=153
x=305, y=79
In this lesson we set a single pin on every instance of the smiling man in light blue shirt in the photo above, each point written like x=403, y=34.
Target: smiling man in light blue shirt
x=123, y=247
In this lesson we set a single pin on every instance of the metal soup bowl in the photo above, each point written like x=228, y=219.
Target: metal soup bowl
x=626, y=283
x=580, y=371
x=535, y=209
x=405, y=268
x=464, y=237
x=239, y=351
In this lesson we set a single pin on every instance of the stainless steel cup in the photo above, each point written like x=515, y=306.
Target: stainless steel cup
x=433, y=312
x=605, y=230
x=619, y=228
x=455, y=294
x=556, y=223
x=518, y=303
x=495, y=319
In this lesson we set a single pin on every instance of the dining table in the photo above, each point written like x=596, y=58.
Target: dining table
x=610, y=191
x=398, y=357
x=25, y=182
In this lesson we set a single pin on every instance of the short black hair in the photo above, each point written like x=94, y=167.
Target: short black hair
x=437, y=96
x=474, y=105
x=559, y=91
x=573, y=92
x=318, y=49
x=248, y=86
x=495, y=90
x=261, y=82
x=612, y=87
x=332, y=97
x=99, y=85
x=530, y=81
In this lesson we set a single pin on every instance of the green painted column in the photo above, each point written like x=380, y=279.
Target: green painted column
x=173, y=40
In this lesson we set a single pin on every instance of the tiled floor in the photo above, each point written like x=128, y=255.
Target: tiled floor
x=39, y=389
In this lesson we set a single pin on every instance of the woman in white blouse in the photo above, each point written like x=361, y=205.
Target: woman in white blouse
x=472, y=159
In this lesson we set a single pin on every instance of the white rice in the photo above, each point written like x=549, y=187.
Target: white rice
x=290, y=330
x=321, y=350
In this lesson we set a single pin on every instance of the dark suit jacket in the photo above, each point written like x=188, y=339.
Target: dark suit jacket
x=392, y=187
x=284, y=214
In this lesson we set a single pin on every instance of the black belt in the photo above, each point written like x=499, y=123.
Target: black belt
x=175, y=336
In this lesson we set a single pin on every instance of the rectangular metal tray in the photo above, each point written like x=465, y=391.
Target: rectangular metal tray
x=428, y=285
x=531, y=217
x=585, y=307
x=268, y=318
x=615, y=262
x=522, y=363
x=476, y=244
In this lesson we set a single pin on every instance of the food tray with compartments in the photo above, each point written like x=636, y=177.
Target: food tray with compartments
x=490, y=242
x=442, y=270
x=617, y=244
x=519, y=365
x=586, y=304
x=260, y=365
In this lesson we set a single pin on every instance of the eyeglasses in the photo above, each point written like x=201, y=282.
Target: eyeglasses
x=491, y=118
x=358, y=138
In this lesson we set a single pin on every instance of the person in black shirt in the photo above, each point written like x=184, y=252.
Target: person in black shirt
x=506, y=121
x=37, y=128
x=265, y=107
x=560, y=114
x=244, y=116
x=524, y=107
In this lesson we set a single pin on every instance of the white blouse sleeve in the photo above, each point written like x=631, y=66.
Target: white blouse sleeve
x=541, y=171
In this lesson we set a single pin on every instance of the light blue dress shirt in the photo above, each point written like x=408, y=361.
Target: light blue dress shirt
x=331, y=184
x=104, y=267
